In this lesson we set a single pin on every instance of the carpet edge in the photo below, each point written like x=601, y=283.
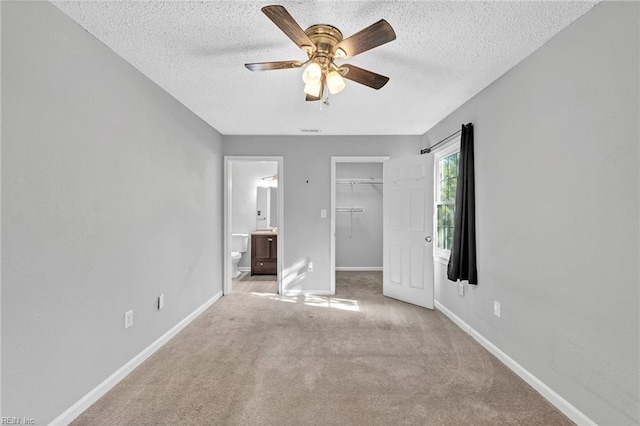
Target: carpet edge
x=543, y=389
x=99, y=391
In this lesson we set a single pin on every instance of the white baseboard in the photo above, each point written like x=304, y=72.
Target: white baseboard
x=549, y=394
x=244, y=268
x=293, y=293
x=85, y=402
x=359, y=268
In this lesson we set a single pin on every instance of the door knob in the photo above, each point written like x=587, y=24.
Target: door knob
x=428, y=239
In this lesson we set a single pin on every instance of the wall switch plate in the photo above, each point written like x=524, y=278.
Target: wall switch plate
x=461, y=289
x=161, y=301
x=323, y=213
x=128, y=318
x=496, y=309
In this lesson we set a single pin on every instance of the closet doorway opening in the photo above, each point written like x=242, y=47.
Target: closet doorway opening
x=253, y=224
x=356, y=215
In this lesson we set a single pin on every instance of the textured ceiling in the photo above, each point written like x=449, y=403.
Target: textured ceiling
x=445, y=53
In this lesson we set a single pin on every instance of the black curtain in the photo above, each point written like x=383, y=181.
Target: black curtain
x=462, y=262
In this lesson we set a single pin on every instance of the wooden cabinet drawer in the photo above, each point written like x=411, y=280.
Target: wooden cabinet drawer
x=264, y=267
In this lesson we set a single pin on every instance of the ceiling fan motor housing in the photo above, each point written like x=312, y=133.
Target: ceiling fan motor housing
x=325, y=37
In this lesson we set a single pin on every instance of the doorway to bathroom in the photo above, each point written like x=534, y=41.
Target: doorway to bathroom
x=356, y=216
x=253, y=224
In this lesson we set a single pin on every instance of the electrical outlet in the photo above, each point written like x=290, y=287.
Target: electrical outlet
x=128, y=318
x=161, y=301
x=496, y=309
x=323, y=213
x=310, y=267
x=461, y=289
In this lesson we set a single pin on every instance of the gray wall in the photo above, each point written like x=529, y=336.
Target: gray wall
x=245, y=177
x=359, y=235
x=307, y=190
x=556, y=144
x=111, y=195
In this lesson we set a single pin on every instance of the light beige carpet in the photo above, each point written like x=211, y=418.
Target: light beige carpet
x=359, y=358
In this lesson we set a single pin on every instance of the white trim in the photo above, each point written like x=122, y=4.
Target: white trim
x=98, y=392
x=549, y=394
x=244, y=268
x=294, y=293
x=226, y=242
x=441, y=255
x=451, y=146
x=228, y=164
x=359, y=268
x=334, y=161
x=441, y=260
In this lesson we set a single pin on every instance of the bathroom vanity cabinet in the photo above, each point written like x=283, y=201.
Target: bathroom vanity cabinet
x=264, y=253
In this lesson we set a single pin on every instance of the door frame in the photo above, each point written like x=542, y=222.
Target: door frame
x=227, y=208
x=334, y=162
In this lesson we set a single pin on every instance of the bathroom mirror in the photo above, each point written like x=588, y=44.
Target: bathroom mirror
x=266, y=208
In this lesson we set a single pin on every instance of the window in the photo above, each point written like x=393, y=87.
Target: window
x=446, y=171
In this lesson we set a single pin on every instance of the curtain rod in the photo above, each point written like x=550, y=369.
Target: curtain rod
x=428, y=150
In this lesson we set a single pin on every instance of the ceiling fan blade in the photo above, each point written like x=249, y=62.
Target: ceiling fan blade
x=289, y=26
x=373, y=36
x=268, y=66
x=362, y=76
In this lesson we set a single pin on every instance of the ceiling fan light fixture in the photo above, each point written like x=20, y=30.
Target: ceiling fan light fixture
x=312, y=74
x=313, y=89
x=323, y=43
x=335, y=82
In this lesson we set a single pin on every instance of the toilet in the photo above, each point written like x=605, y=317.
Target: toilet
x=239, y=244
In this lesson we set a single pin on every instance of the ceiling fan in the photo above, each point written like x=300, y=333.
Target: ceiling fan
x=323, y=44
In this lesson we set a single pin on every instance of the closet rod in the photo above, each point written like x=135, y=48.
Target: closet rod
x=359, y=181
x=349, y=210
x=428, y=150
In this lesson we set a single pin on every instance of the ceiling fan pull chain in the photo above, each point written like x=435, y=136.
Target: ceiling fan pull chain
x=325, y=101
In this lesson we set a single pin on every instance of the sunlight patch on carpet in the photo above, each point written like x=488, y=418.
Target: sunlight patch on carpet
x=332, y=302
x=272, y=296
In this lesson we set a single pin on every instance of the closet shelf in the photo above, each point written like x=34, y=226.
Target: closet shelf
x=349, y=209
x=364, y=181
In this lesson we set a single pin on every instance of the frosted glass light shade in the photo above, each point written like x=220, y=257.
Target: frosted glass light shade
x=313, y=89
x=312, y=74
x=335, y=82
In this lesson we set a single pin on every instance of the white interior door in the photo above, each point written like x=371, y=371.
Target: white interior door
x=408, y=229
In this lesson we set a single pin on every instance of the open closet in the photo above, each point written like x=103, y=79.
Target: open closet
x=358, y=216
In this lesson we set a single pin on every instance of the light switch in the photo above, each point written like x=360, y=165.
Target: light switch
x=323, y=213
